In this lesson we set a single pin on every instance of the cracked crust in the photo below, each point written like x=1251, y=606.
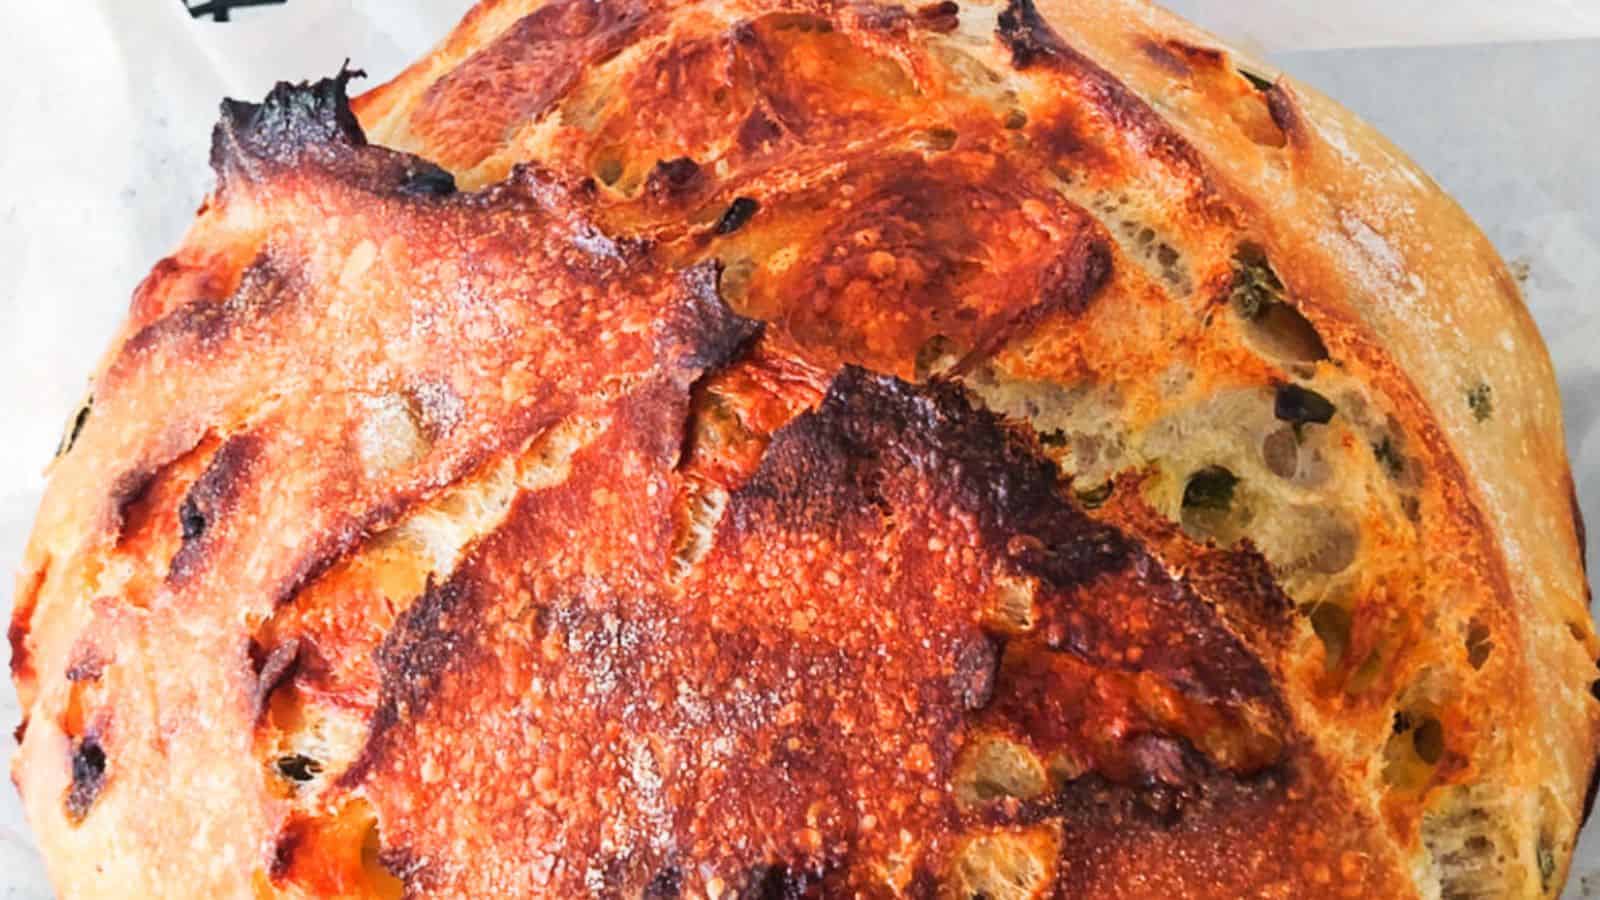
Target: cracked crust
x=734, y=450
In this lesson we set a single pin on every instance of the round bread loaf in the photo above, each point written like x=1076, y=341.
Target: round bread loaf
x=736, y=450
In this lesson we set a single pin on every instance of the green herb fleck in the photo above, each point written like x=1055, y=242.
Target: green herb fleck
x=1255, y=285
x=1389, y=456
x=1547, y=862
x=1481, y=400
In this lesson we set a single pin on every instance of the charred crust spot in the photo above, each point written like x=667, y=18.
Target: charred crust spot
x=704, y=331
x=126, y=491
x=1301, y=406
x=263, y=289
x=424, y=179
x=211, y=496
x=191, y=521
x=426, y=641
x=774, y=881
x=88, y=763
x=273, y=669
x=672, y=179
x=75, y=426
x=976, y=665
x=888, y=19
x=759, y=132
x=736, y=215
x=877, y=443
x=869, y=423
x=284, y=847
x=1028, y=36
x=88, y=664
x=941, y=18
x=1579, y=529
x=1077, y=275
x=1282, y=109
x=293, y=119
x=1163, y=56
x=667, y=884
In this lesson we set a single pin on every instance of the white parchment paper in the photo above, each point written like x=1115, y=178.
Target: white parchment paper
x=108, y=104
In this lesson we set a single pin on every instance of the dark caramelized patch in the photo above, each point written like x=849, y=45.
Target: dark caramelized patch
x=414, y=655
x=975, y=672
x=191, y=521
x=428, y=180
x=88, y=663
x=703, y=334
x=1282, y=109
x=777, y=881
x=210, y=498
x=941, y=17
x=264, y=288
x=294, y=120
x=673, y=179
x=1027, y=34
x=283, y=849
x=88, y=764
x=960, y=246
x=737, y=213
x=520, y=76
x=667, y=884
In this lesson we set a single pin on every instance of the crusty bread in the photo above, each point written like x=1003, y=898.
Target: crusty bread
x=731, y=450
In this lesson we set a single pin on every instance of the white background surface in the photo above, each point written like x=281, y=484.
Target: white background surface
x=107, y=106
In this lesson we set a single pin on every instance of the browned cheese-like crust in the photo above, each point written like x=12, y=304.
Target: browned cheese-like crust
x=749, y=450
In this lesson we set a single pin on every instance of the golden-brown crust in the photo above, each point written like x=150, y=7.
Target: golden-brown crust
x=710, y=503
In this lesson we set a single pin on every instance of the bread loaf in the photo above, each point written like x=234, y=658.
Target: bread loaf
x=977, y=450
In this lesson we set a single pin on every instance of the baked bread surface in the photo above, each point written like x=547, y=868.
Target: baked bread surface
x=814, y=450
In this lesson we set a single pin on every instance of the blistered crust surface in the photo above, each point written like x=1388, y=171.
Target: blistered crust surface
x=726, y=450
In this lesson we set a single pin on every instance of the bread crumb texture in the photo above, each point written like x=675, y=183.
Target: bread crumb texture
x=736, y=450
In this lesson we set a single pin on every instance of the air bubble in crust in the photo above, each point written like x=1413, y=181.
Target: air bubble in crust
x=1208, y=504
